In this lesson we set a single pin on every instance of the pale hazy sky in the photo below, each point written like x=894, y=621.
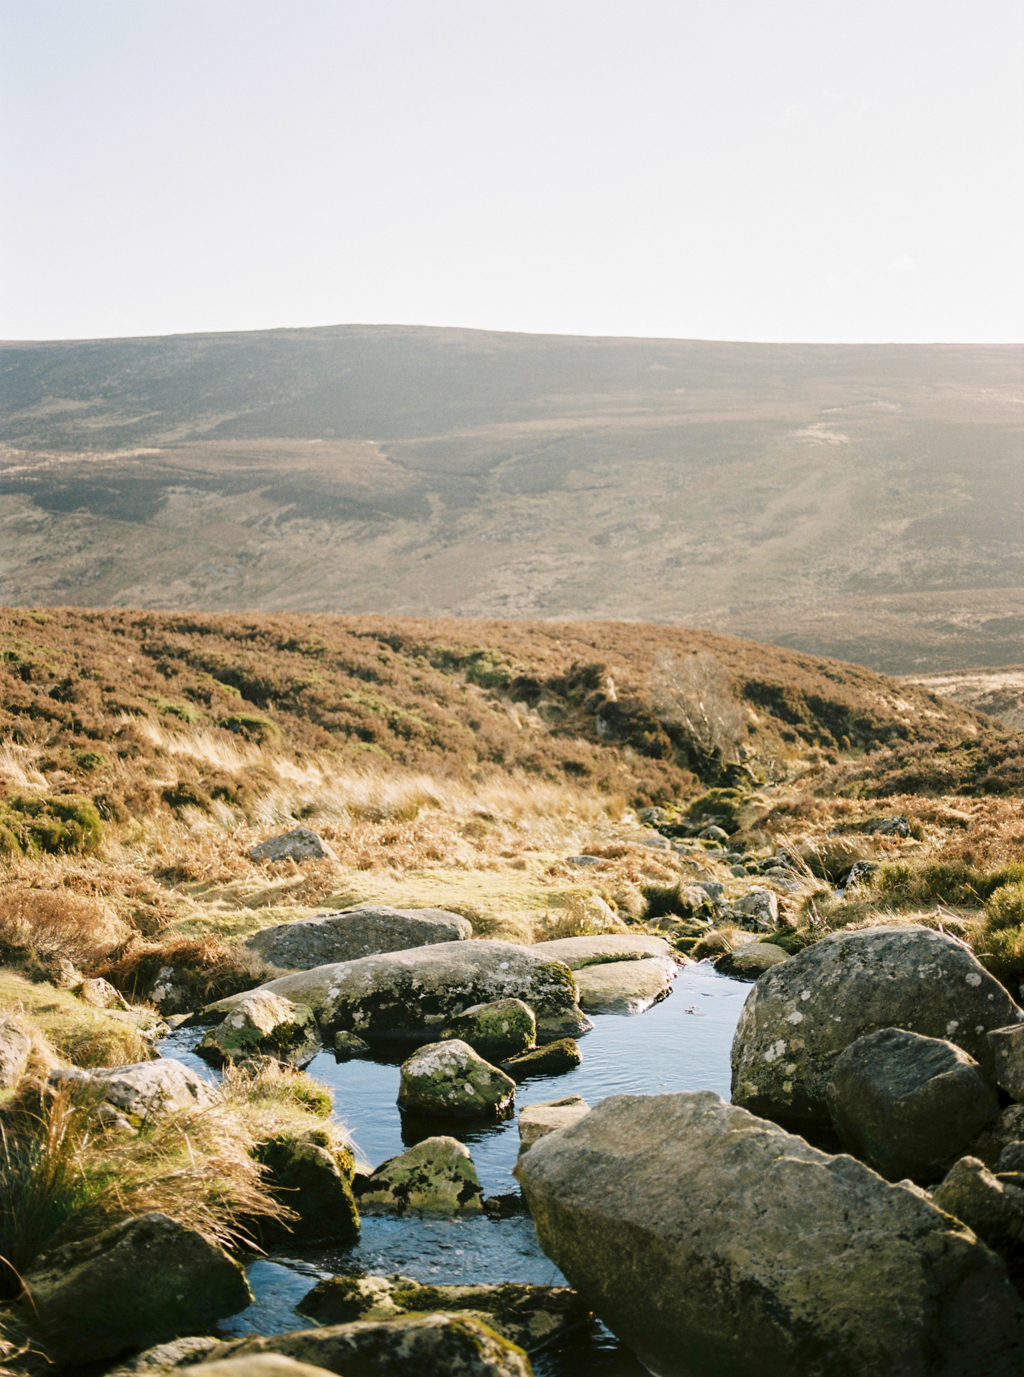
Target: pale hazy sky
x=717, y=169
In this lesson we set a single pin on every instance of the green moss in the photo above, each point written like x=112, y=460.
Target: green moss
x=91, y=760
x=253, y=726
x=49, y=822
x=185, y=712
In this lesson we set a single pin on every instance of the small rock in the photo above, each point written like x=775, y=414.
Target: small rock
x=300, y=844
x=857, y=874
x=347, y=1046
x=711, y=888
x=553, y=1059
x=1011, y=1158
x=908, y=1105
x=437, y=1176
x=972, y=1194
x=15, y=1046
x=144, y=1088
x=751, y=960
x=894, y=826
x=538, y=1120
x=434, y=1345
x=263, y=1025
x=352, y=933
x=625, y=987
x=142, y=1282
x=1008, y=1059
x=177, y=1353
x=713, y=833
x=1006, y=1129
x=101, y=994
x=760, y=909
x=584, y=860
x=306, y=1176
x=450, y=1079
x=170, y=992
x=498, y=1031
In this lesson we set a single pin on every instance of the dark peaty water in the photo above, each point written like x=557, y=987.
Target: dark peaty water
x=683, y=1043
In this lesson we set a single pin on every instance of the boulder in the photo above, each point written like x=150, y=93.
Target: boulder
x=160, y=1357
x=146, y=1280
x=577, y=952
x=908, y=1105
x=625, y=987
x=434, y=1345
x=751, y=960
x=804, y=1012
x=994, y=1210
x=15, y=1046
x=498, y=1030
x=263, y=1025
x=101, y=994
x=449, y=1079
x=259, y=1365
x=1011, y=1158
x=553, y=1059
x=437, y=1176
x=300, y=844
x=530, y=1316
x=1006, y=1129
x=347, y=1046
x=315, y=1183
x=758, y=909
x=714, y=1242
x=1008, y=1059
x=145, y=1088
x=538, y=1120
x=351, y=933
x=409, y=996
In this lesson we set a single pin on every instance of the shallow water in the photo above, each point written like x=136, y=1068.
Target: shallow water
x=683, y=1043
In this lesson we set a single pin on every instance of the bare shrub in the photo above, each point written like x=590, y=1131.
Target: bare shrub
x=694, y=693
x=40, y=926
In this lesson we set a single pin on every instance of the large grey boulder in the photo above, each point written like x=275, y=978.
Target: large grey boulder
x=499, y=1030
x=449, y=1080
x=144, y=1281
x=263, y=1025
x=432, y=1345
x=804, y=1012
x=143, y=1089
x=908, y=1105
x=577, y=952
x=15, y=1046
x=409, y=996
x=625, y=987
x=529, y=1316
x=437, y=1176
x=1008, y=1057
x=716, y=1243
x=351, y=933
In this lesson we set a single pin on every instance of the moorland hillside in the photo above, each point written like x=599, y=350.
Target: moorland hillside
x=858, y=501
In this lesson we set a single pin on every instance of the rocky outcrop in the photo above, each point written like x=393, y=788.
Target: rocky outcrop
x=143, y=1089
x=992, y=1208
x=536, y=1121
x=351, y=933
x=530, y=1316
x=409, y=996
x=625, y=987
x=101, y=994
x=1008, y=1059
x=553, y=1059
x=146, y=1280
x=804, y=1012
x=498, y=1031
x=715, y=1242
x=437, y=1176
x=908, y=1105
x=300, y=844
x=434, y=1345
x=449, y=1080
x=316, y=1185
x=577, y=952
x=15, y=1046
x=263, y=1025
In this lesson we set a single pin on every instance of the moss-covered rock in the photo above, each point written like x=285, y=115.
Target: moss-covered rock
x=498, y=1030
x=437, y=1176
x=449, y=1080
x=316, y=1183
x=553, y=1059
x=263, y=1025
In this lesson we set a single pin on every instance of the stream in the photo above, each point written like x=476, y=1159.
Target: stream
x=683, y=1043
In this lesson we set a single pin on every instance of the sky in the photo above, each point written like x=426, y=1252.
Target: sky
x=703, y=169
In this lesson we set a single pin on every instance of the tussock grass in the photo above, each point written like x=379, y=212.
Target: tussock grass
x=77, y=1032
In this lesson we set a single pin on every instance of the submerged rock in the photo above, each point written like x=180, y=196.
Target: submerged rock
x=714, y=1242
x=263, y=1025
x=449, y=1079
x=409, y=996
x=625, y=987
x=143, y=1089
x=498, y=1030
x=805, y=1011
x=908, y=1105
x=434, y=1345
x=300, y=844
x=351, y=933
x=145, y=1280
x=529, y=1316
x=553, y=1059
x=437, y=1176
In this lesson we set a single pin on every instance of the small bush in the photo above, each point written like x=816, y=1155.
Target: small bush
x=253, y=726
x=41, y=927
x=204, y=967
x=1005, y=907
x=48, y=822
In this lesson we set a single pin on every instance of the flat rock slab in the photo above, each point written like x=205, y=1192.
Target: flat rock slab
x=538, y=1120
x=805, y=1011
x=715, y=1242
x=348, y=934
x=625, y=987
x=407, y=997
x=577, y=952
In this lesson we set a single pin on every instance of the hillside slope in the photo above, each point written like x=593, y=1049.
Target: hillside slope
x=857, y=500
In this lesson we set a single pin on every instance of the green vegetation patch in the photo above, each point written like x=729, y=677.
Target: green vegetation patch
x=951, y=882
x=57, y=824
